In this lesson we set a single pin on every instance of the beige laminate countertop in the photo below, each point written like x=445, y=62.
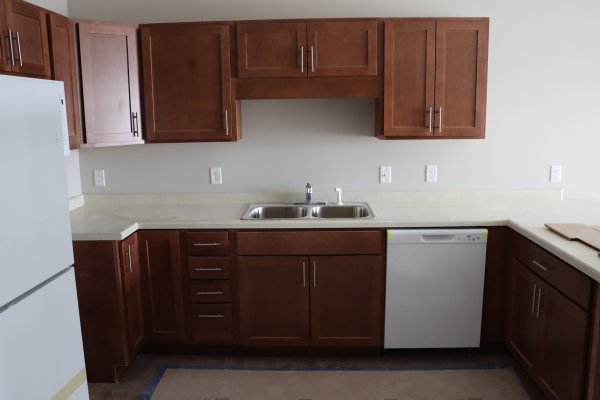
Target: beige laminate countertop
x=110, y=219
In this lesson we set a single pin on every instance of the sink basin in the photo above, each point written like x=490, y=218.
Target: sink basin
x=275, y=212
x=341, y=211
x=308, y=211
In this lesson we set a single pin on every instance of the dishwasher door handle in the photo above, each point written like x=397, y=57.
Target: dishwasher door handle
x=438, y=238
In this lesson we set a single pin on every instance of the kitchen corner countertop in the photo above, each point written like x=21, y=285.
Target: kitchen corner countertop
x=100, y=219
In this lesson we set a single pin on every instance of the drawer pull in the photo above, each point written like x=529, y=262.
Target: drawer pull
x=211, y=316
x=209, y=269
x=540, y=265
x=209, y=293
x=201, y=244
x=533, y=299
x=539, y=300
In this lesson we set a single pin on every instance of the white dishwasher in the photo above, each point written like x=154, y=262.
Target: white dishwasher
x=434, y=288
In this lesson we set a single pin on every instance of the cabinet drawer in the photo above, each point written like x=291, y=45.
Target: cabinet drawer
x=310, y=242
x=208, y=243
x=208, y=267
x=571, y=282
x=212, y=323
x=211, y=292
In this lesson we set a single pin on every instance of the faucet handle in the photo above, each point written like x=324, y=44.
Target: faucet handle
x=338, y=191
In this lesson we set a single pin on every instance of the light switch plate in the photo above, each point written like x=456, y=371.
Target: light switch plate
x=216, y=178
x=385, y=174
x=99, y=177
x=431, y=173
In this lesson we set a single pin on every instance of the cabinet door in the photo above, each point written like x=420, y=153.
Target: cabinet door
x=271, y=50
x=523, y=316
x=5, y=60
x=461, y=78
x=27, y=23
x=187, y=83
x=409, y=78
x=274, y=302
x=64, y=68
x=564, y=339
x=162, y=285
x=109, y=78
x=346, y=300
x=132, y=294
x=342, y=48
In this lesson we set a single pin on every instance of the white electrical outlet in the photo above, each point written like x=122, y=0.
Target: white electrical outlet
x=385, y=174
x=99, y=177
x=555, y=173
x=431, y=173
x=216, y=178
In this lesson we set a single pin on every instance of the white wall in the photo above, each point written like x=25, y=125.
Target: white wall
x=59, y=6
x=544, y=78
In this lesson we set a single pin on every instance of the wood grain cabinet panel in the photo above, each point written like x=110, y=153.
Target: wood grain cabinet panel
x=162, y=285
x=187, y=83
x=107, y=275
x=110, y=84
x=5, y=65
x=27, y=53
x=64, y=68
x=271, y=49
x=435, y=79
x=548, y=332
x=346, y=301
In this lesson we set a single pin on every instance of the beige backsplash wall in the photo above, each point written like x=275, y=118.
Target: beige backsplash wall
x=542, y=106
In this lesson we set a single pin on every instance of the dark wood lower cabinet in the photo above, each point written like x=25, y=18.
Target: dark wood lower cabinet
x=548, y=331
x=162, y=285
x=346, y=301
x=274, y=300
x=110, y=307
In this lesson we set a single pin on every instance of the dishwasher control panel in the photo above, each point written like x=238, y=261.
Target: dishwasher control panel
x=471, y=237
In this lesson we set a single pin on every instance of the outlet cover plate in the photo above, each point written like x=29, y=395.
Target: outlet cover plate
x=431, y=173
x=385, y=174
x=555, y=173
x=99, y=177
x=216, y=178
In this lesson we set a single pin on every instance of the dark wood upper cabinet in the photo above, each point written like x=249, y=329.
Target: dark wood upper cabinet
x=64, y=68
x=110, y=84
x=435, y=78
x=187, y=83
x=24, y=39
x=297, y=49
x=161, y=278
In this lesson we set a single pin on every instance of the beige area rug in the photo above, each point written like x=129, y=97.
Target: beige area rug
x=473, y=384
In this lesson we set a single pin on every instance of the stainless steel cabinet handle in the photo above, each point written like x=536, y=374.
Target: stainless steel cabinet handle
x=430, y=126
x=19, y=48
x=533, y=299
x=226, y=123
x=439, y=112
x=11, y=47
x=303, y=274
x=312, y=59
x=211, y=316
x=302, y=59
x=134, y=122
x=129, y=252
x=314, y=274
x=200, y=244
x=216, y=292
x=209, y=269
x=539, y=265
x=539, y=300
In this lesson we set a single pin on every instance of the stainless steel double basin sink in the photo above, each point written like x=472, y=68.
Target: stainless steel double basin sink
x=308, y=211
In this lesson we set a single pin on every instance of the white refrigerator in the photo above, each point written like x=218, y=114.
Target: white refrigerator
x=41, y=353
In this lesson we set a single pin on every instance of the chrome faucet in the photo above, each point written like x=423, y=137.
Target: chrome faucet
x=338, y=192
x=308, y=191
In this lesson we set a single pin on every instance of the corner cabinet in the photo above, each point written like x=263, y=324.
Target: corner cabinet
x=110, y=84
x=297, y=49
x=107, y=275
x=64, y=68
x=435, y=78
x=549, y=320
x=187, y=83
x=317, y=288
x=24, y=45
